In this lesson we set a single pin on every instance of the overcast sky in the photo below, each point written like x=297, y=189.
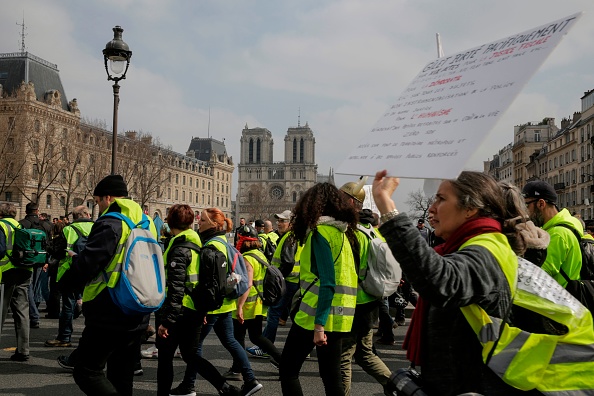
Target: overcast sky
x=343, y=63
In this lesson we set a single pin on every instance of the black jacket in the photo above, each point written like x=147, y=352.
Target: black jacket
x=100, y=248
x=178, y=259
x=33, y=221
x=452, y=362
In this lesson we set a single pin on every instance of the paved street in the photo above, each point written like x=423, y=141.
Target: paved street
x=41, y=375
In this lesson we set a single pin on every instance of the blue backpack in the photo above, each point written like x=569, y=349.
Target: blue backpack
x=141, y=286
x=237, y=279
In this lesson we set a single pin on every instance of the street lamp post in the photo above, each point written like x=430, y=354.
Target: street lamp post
x=118, y=54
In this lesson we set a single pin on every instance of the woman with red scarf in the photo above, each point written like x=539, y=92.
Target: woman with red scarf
x=451, y=276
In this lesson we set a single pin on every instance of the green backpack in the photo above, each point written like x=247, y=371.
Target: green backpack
x=28, y=249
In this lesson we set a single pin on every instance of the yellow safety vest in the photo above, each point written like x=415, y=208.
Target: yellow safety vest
x=133, y=211
x=293, y=277
x=5, y=263
x=192, y=270
x=71, y=237
x=362, y=296
x=344, y=301
x=253, y=305
x=556, y=365
x=229, y=305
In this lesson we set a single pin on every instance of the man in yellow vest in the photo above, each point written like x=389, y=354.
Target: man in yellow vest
x=564, y=256
x=110, y=336
x=81, y=227
x=16, y=283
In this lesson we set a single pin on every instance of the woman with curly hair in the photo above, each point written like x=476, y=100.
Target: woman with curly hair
x=324, y=224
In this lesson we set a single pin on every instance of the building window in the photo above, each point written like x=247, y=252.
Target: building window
x=62, y=200
x=176, y=178
x=168, y=193
x=48, y=201
x=183, y=180
x=537, y=136
x=251, y=152
x=258, y=151
x=176, y=195
x=8, y=196
x=294, y=150
x=301, y=150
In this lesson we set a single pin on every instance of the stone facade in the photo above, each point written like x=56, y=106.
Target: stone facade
x=562, y=157
x=49, y=156
x=266, y=187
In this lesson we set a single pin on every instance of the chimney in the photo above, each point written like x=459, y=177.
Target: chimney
x=131, y=135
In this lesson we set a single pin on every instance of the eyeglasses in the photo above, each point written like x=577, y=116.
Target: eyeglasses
x=531, y=202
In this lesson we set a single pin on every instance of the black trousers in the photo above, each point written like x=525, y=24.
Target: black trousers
x=186, y=334
x=100, y=346
x=254, y=328
x=298, y=345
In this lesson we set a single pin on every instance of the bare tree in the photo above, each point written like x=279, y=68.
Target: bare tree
x=148, y=175
x=258, y=203
x=12, y=151
x=70, y=184
x=419, y=204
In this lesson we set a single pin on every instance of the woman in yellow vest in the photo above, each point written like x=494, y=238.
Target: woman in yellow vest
x=250, y=310
x=324, y=222
x=213, y=225
x=474, y=267
x=180, y=319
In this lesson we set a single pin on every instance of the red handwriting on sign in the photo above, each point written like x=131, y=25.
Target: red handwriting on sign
x=445, y=81
x=504, y=52
x=535, y=42
x=437, y=113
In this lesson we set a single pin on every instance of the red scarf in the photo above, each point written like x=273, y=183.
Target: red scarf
x=413, y=341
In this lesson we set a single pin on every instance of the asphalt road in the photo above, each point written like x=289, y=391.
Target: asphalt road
x=42, y=376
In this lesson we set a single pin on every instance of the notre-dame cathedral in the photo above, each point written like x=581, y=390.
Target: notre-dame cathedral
x=266, y=187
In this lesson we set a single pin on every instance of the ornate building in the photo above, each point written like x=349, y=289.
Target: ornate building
x=266, y=187
x=47, y=155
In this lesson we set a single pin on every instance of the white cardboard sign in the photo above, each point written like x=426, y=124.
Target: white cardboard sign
x=451, y=105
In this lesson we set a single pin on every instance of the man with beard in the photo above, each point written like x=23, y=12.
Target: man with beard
x=564, y=256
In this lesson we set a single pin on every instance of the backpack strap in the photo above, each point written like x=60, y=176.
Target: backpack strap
x=265, y=264
x=229, y=251
x=144, y=223
x=189, y=245
x=78, y=232
x=8, y=223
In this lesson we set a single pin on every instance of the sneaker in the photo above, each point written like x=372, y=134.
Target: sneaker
x=138, y=369
x=232, y=376
x=19, y=357
x=255, y=351
x=183, y=390
x=386, y=342
x=401, y=322
x=57, y=343
x=229, y=390
x=150, y=353
x=64, y=363
x=34, y=325
x=275, y=364
x=148, y=333
x=249, y=388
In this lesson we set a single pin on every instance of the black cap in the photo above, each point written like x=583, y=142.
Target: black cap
x=113, y=185
x=259, y=223
x=421, y=221
x=541, y=190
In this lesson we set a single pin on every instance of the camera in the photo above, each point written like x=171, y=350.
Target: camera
x=405, y=382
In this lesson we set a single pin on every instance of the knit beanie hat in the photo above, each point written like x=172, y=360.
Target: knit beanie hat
x=112, y=185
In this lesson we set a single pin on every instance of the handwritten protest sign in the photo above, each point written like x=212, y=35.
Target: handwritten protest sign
x=451, y=105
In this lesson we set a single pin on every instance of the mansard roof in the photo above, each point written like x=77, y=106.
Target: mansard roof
x=23, y=66
x=203, y=148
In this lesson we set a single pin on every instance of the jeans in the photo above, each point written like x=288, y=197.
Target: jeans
x=186, y=332
x=66, y=317
x=360, y=345
x=254, y=329
x=16, y=291
x=385, y=322
x=35, y=294
x=223, y=327
x=100, y=346
x=274, y=313
x=299, y=344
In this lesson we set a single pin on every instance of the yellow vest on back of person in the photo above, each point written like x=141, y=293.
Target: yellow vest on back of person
x=553, y=364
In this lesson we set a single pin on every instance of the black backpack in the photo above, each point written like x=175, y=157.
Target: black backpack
x=273, y=286
x=587, y=250
x=209, y=293
x=269, y=248
x=80, y=243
